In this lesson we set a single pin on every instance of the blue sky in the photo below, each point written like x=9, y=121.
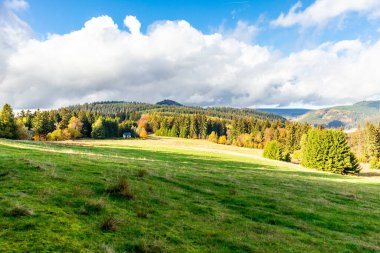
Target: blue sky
x=242, y=53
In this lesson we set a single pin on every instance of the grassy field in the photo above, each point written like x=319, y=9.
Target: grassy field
x=175, y=195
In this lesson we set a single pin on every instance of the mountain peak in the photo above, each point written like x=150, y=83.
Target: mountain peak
x=169, y=102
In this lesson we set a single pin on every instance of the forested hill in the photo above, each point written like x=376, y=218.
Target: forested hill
x=345, y=116
x=286, y=113
x=119, y=108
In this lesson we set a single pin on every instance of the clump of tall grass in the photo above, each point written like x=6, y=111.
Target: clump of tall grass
x=107, y=248
x=142, y=173
x=232, y=191
x=20, y=210
x=121, y=188
x=146, y=246
x=93, y=206
x=110, y=223
x=142, y=213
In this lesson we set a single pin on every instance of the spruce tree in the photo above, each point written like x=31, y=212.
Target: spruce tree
x=328, y=150
x=8, y=127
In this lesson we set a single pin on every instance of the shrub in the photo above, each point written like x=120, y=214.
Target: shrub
x=245, y=140
x=19, y=210
x=213, y=137
x=92, y=206
x=121, y=188
x=297, y=156
x=232, y=191
x=142, y=213
x=58, y=135
x=110, y=223
x=143, y=133
x=107, y=248
x=274, y=150
x=142, y=173
x=222, y=140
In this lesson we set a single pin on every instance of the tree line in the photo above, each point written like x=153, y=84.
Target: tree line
x=282, y=140
x=365, y=143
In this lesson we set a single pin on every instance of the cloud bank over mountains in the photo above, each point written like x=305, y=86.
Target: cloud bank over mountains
x=173, y=60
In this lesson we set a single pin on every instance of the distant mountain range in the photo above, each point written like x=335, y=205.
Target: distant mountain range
x=347, y=117
x=286, y=113
x=120, y=108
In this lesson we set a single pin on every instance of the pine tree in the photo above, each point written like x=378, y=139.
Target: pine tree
x=372, y=141
x=185, y=126
x=328, y=150
x=8, y=127
x=203, y=123
x=193, y=129
x=42, y=125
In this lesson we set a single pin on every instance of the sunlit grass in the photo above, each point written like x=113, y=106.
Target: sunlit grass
x=188, y=196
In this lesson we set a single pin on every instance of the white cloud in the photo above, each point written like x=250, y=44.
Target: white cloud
x=243, y=32
x=13, y=31
x=174, y=60
x=323, y=11
x=133, y=24
x=16, y=4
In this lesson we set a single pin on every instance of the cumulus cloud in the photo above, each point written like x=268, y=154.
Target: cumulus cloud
x=133, y=24
x=13, y=31
x=15, y=4
x=323, y=11
x=243, y=31
x=174, y=60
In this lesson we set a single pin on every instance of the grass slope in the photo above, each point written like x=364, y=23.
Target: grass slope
x=56, y=198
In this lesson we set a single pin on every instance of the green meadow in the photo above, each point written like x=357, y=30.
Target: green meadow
x=173, y=195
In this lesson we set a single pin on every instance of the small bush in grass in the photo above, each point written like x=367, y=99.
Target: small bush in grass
x=142, y=213
x=93, y=206
x=110, y=223
x=297, y=156
x=213, y=137
x=274, y=150
x=6, y=173
x=19, y=210
x=222, y=140
x=107, y=248
x=144, y=246
x=80, y=191
x=232, y=191
x=121, y=188
x=142, y=173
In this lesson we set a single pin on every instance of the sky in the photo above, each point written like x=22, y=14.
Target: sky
x=240, y=53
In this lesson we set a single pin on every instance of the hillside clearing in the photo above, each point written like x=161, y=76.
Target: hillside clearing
x=184, y=195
